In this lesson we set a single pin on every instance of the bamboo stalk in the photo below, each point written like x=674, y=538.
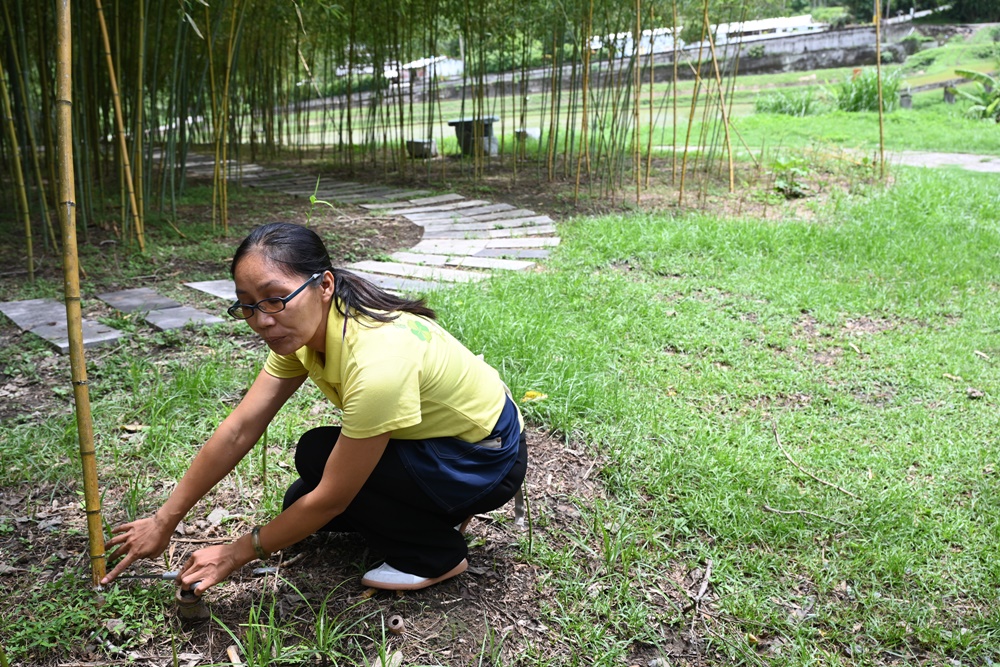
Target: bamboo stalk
x=71, y=272
x=722, y=105
x=15, y=158
x=878, y=74
x=120, y=124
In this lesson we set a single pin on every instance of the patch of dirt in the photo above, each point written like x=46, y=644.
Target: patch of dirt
x=445, y=624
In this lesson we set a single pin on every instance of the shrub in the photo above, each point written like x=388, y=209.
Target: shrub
x=800, y=102
x=860, y=91
x=986, y=96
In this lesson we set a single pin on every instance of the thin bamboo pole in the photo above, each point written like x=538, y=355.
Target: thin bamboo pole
x=722, y=105
x=878, y=74
x=15, y=158
x=120, y=124
x=71, y=272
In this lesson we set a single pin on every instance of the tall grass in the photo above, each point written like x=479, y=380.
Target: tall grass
x=796, y=102
x=859, y=92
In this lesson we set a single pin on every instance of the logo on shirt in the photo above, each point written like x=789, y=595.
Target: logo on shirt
x=417, y=328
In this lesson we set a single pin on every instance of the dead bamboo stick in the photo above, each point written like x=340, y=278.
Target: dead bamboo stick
x=120, y=127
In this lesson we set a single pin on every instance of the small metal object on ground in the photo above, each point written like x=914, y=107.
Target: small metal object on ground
x=396, y=625
x=191, y=607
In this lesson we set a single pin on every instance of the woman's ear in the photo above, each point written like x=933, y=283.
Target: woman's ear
x=327, y=284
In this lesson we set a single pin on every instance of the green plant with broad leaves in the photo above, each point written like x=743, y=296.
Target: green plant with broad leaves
x=789, y=174
x=985, y=97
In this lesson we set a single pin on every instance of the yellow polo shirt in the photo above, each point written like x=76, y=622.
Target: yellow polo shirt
x=409, y=377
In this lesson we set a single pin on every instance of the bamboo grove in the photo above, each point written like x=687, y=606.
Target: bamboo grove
x=246, y=80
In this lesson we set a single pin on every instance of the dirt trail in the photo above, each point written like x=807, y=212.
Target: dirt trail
x=972, y=162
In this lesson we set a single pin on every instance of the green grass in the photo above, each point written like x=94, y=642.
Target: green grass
x=678, y=368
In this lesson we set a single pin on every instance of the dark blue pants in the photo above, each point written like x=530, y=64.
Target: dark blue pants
x=399, y=520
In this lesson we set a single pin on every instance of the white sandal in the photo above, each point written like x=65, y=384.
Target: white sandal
x=387, y=577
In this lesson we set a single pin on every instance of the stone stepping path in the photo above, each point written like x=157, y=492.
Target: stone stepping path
x=162, y=313
x=464, y=239
x=46, y=318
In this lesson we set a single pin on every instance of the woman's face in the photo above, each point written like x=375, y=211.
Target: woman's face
x=302, y=322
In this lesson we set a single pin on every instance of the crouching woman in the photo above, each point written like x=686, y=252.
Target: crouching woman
x=428, y=437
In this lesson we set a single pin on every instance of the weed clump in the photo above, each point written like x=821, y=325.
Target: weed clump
x=859, y=92
x=802, y=102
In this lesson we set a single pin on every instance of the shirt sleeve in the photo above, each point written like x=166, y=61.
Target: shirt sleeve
x=381, y=397
x=284, y=365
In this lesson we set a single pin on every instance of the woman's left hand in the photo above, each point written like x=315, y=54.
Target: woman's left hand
x=207, y=567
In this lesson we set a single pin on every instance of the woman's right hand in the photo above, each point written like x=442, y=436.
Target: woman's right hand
x=143, y=538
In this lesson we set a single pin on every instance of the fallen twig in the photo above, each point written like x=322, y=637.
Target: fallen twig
x=806, y=472
x=768, y=508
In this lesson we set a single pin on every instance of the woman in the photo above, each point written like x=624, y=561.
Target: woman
x=429, y=435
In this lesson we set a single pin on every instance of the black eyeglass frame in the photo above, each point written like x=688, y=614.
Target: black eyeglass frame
x=237, y=309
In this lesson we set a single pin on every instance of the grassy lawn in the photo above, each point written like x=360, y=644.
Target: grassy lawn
x=679, y=347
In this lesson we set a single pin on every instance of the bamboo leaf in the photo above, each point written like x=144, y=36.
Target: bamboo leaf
x=194, y=26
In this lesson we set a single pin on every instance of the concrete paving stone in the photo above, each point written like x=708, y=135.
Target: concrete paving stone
x=490, y=263
x=361, y=197
x=503, y=215
x=94, y=334
x=448, y=247
x=33, y=313
x=176, y=318
x=415, y=271
x=537, y=242
x=490, y=233
x=139, y=299
x=223, y=289
x=465, y=212
x=468, y=203
x=392, y=198
x=396, y=284
x=439, y=199
x=496, y=224
x=521, y=231
x=525, y=253
x=418, y=258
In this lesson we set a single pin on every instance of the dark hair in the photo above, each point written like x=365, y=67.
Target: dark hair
x=301, y=251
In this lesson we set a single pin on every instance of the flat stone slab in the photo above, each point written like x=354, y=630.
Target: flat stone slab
x=527, y=253
x=444, y=215
x=177, y=318
x=491, y=263
x=495, y=224
x=474, y=246
x=46, y=318
x=423, y=201
x=415, y=271
x=468, y=203
x=397, y=284
x=140, y=299
x=417, y=258
x=223, y=289
x=392, y=198
x=491, y=233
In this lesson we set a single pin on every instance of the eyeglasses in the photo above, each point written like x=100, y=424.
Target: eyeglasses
x=244, y=311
